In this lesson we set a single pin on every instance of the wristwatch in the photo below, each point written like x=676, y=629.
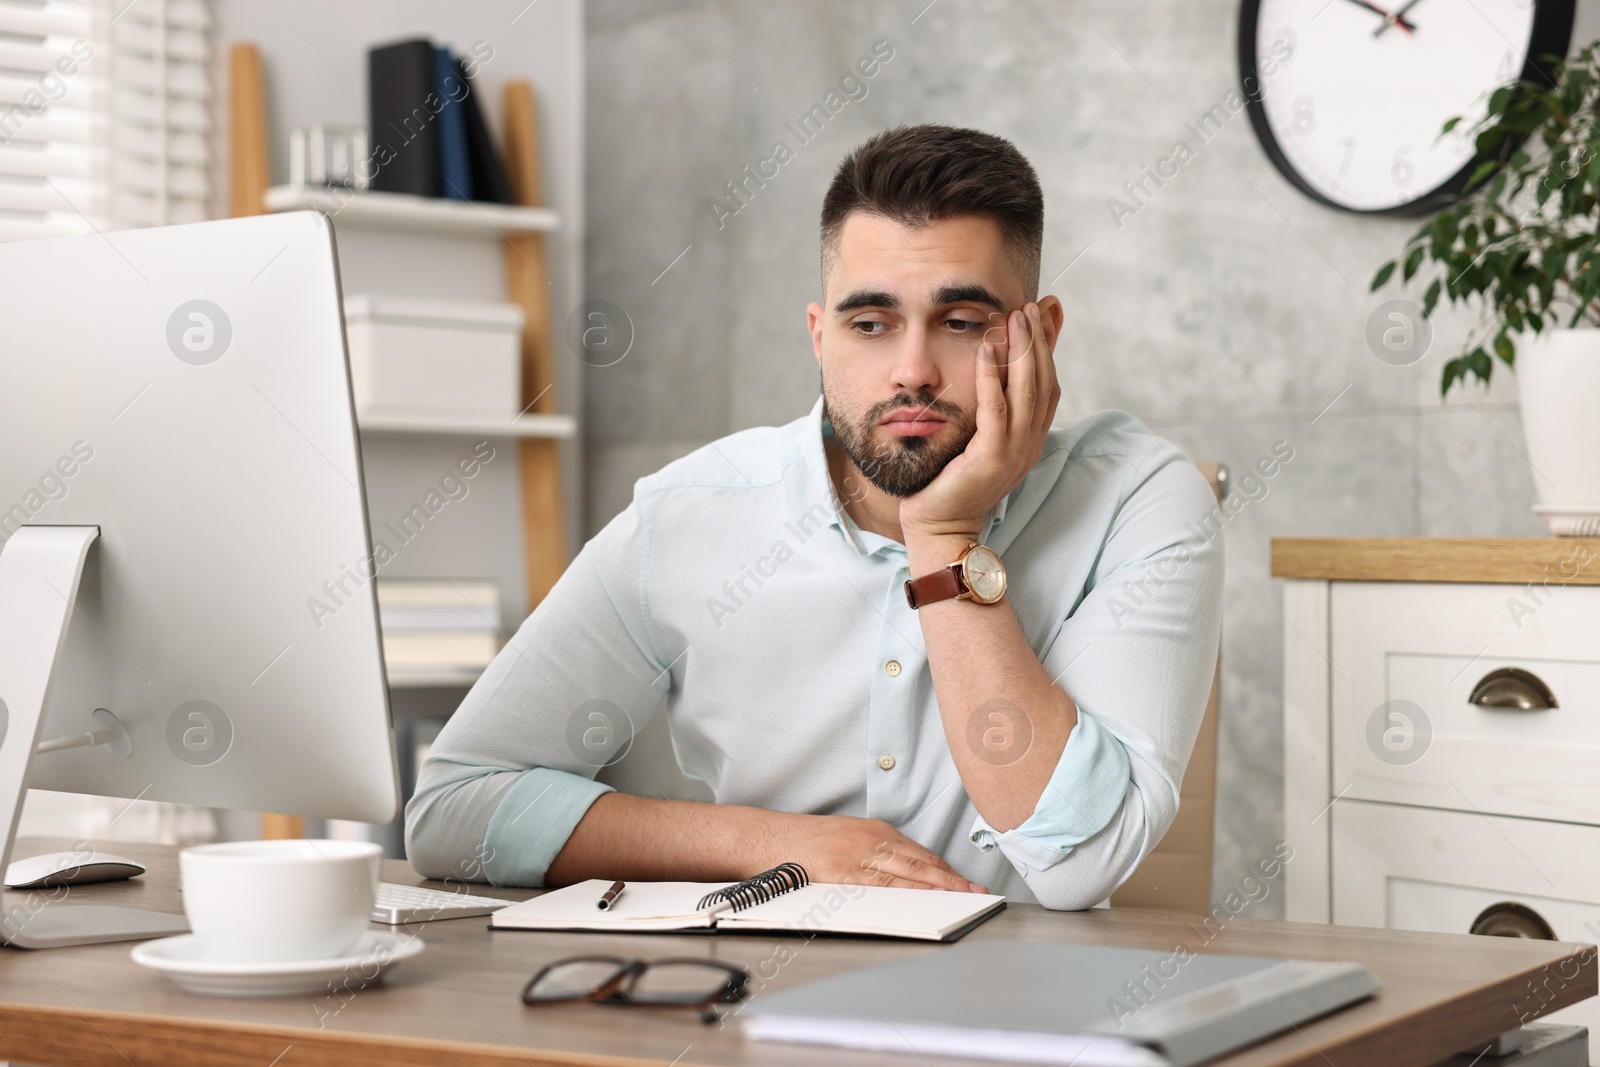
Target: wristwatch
x=978, y=575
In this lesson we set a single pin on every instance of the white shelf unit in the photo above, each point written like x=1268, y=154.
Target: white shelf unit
x=400, y=213
x=413, y=214
x=402, y=246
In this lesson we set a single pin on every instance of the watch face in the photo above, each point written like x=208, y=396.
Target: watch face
x=984, y=574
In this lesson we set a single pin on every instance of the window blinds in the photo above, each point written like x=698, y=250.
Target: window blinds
x=104, y=113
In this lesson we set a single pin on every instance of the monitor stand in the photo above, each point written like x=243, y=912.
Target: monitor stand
x=40, y=567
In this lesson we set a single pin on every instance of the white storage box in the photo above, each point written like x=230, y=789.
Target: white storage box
x=410, y=355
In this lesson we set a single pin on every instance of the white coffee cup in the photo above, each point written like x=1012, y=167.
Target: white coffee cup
x=270, y=901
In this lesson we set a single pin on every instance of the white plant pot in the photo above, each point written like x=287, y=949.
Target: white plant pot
x=1558, y=378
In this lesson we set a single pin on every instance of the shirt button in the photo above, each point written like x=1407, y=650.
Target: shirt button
x=892, y=668
x=886, y=761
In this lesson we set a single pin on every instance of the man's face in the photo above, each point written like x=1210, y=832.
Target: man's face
x=906, y=309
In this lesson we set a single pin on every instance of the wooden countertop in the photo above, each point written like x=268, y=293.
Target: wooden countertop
x=457, y=1003
x=1510, y=560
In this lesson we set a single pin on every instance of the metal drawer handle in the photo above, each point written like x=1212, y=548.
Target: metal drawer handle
x=1512, y=687
x=1510, y=919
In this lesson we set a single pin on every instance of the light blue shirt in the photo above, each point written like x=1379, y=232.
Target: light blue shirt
x=736, y=593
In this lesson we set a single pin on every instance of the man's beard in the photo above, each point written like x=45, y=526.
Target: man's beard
x=902, y=466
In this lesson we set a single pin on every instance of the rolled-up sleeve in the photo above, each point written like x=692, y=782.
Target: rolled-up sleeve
x=1087, y=789
x=1137, y=656
x=512, y=772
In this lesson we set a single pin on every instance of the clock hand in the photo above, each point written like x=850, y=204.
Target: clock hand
x=1390, y=20
x=1376, y=10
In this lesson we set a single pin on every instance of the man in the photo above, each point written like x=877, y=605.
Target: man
x=1018, y=721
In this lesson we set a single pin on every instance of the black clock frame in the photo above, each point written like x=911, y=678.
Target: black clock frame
x=1552, y=35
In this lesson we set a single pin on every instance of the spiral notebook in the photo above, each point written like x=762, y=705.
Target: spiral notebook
x=780, y=900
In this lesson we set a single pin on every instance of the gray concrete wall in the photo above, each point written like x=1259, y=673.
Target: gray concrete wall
x=1228, y=313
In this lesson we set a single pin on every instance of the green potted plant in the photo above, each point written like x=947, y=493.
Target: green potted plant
x=1523, y=244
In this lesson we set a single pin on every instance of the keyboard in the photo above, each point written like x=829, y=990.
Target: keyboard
x=415, y=904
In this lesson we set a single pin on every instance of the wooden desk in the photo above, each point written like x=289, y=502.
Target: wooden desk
x=457, y=1003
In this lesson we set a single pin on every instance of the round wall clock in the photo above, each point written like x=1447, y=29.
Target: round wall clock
x=1348, y=96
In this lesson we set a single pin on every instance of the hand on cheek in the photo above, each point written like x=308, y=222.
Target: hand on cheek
x=1015, y=406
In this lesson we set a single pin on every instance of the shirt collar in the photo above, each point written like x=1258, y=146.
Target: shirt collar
x=816, y=428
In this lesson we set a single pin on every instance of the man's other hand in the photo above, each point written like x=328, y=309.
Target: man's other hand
x=845, y=850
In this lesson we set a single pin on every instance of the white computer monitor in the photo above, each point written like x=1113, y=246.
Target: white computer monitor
x=180, y=483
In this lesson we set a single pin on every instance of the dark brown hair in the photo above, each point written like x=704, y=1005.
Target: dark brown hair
x=915, y=175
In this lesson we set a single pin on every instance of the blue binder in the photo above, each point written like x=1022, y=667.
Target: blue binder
x=455, y=163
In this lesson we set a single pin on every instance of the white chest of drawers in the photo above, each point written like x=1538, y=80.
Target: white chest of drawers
x=1442, y=736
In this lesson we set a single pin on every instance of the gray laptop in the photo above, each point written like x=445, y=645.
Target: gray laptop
x=1085, y=1005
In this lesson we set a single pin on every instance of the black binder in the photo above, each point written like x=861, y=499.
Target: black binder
x=404, y=129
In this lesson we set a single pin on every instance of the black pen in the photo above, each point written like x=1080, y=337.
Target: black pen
x=610, y=896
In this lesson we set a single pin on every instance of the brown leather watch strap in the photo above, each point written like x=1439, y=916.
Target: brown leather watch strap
x=942, y=584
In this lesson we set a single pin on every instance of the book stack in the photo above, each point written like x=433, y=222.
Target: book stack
x=438, y=630
x=428, y=133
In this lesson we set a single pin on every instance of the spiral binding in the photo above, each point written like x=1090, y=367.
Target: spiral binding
x=784, y=878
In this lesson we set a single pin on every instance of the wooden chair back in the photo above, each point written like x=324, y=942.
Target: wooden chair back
x=1177, y=872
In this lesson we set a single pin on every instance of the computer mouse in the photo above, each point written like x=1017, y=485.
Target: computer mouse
x=69, y=868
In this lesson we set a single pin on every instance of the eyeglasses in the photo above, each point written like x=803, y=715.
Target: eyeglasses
x=676, y=983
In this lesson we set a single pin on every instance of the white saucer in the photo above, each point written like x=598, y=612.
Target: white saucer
x=180, y=959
